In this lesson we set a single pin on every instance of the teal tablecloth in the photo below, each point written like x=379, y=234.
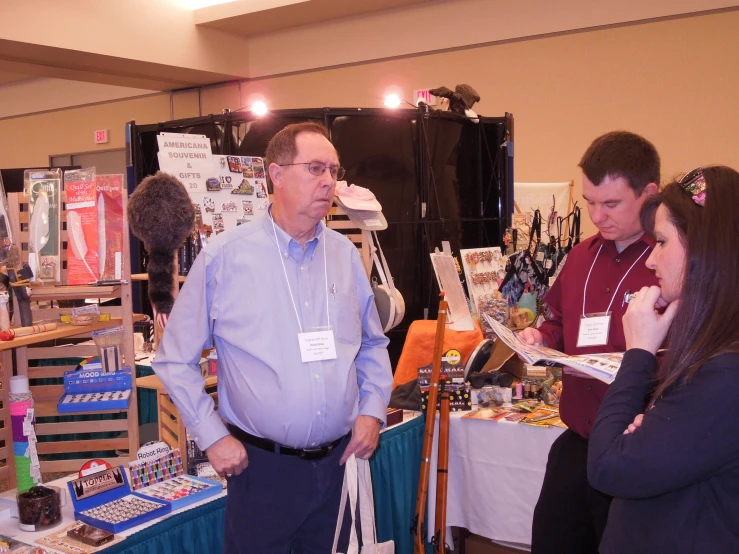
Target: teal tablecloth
x=395, y=467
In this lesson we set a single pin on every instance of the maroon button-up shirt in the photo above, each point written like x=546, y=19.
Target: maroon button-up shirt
x=581, y=397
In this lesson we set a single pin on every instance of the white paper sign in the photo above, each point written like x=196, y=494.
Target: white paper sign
x=594, y=330
x=188, y=158
x=317, y=345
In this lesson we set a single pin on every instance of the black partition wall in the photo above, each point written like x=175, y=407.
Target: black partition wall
x=439, y=176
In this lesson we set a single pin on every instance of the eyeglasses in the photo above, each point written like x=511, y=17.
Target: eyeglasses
x=694, y=183
x=318, y=169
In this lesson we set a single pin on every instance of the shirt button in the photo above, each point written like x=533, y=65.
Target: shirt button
x=301, y=268
x=307, y=303
x=590, y=387
x=317, y=377
x=587, y=421
x=607, y=290
x=618, y=260
x=318, y=412
x=313, y=444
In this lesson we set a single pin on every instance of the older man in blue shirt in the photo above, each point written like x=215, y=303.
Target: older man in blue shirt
x=304, y=375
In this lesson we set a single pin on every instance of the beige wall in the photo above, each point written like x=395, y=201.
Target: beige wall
x=674, y=81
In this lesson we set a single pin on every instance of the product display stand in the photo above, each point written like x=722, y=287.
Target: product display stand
x=72, y=435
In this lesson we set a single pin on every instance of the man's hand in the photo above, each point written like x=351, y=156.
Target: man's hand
x=365, y=435
x=532, y=336
x=227, y=456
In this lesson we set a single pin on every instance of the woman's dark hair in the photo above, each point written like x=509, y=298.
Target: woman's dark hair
x=705, y=324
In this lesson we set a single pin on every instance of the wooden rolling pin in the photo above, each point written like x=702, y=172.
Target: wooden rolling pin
x=10, y=334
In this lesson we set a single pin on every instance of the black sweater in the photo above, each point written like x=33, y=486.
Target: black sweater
x=676, y=479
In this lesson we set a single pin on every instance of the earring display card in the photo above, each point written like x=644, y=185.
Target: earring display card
x=482, y=269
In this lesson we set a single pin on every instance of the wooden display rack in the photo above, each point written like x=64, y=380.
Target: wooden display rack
x=344, y=225
x=67, y=433
x=172, y=430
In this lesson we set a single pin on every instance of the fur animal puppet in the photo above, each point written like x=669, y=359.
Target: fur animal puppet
x=161, y=214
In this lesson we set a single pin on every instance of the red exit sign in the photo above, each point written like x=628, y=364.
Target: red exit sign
x=101, y=137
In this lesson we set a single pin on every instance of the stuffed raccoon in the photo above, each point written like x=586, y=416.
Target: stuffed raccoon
x=162, y=215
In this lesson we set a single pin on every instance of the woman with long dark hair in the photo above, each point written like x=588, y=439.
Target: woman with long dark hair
x=674, y=472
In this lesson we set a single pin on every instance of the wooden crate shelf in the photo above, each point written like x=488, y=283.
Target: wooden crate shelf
x=69, y=433
x=172, y=430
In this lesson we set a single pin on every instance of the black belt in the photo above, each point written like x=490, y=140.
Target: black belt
x=266, y=444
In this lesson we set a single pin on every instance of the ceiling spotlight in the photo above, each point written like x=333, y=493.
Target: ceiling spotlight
x=259, y=108
x=392, y=101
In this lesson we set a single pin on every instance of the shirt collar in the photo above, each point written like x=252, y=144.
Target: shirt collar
x=599, y=241
x=287, y=244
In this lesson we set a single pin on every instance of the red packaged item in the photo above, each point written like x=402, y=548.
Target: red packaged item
x=82, y=227
x=109, y=205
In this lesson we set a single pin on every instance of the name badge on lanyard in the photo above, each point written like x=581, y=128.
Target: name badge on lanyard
x=594, y=330
x=316, y=346
x=594, y=327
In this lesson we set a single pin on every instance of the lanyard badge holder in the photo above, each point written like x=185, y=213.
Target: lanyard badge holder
x=316, y=345
x=594, y=327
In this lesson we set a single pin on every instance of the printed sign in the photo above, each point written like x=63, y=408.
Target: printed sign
x=103, y=481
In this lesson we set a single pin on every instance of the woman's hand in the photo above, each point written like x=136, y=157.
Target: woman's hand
x=644, y=326
x=634, y=426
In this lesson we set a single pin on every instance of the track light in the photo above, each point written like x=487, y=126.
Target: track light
x=259, y=108
x=392, y=101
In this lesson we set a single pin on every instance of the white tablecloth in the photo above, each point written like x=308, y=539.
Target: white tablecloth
x=496, y=469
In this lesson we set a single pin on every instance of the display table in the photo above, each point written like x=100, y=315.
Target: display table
x=496, y=469
x=199, y=529
x=189, y=530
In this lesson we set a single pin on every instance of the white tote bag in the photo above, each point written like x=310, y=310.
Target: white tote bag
x=358, y=486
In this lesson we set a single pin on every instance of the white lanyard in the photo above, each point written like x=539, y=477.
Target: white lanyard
x=290, y=290
x=585, y=290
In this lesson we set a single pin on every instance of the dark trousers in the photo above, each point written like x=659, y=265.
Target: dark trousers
x=284, y=504
x=570, y=515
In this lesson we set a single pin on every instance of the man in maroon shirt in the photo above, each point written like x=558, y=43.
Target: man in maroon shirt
x=620, y=170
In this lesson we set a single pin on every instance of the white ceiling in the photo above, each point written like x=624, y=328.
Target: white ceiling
x=253, y=17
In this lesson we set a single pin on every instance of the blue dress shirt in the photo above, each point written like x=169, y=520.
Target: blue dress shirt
x=236, y=297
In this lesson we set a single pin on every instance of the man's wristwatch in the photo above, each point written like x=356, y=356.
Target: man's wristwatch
x=379, y=422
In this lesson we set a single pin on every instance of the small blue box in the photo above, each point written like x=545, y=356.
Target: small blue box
x=108, y=496
x=171, y=490
x=91, y=378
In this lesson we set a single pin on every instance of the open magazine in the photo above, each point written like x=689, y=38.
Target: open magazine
x=598, y=366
